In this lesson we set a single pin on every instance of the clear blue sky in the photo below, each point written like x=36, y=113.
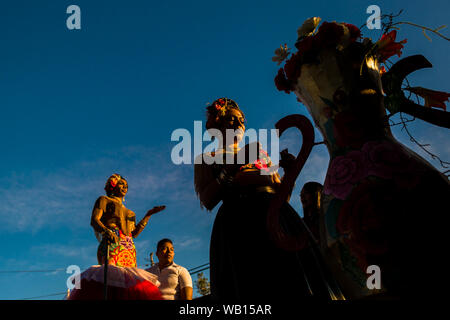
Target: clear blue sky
x=79, y=105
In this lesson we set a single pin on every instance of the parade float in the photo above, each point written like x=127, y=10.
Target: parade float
x=382, y=204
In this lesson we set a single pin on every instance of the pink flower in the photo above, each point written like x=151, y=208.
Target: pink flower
x=385, y=158
x=344, y=172
x=127, y=243
x=261, y=164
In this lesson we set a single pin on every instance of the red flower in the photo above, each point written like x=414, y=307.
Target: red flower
x=305, y=45
x=432, y=98
x=113, y=182
x=355, y=33
x=329, y=34
x=387, y=47
x=292, y=67
x=281, y=82
x=261, y=164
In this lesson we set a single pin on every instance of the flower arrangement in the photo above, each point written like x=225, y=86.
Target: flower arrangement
x=313, y=38
x=308, y=44
x=372, y=60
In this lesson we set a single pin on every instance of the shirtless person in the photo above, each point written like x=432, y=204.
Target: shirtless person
x=117, y=224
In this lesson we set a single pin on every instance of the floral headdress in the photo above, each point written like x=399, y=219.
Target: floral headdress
x=112, y=182
x=340, y=36
x=218, y=109
x=309, y=43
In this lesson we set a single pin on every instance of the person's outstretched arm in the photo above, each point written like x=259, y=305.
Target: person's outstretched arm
x=141, y=225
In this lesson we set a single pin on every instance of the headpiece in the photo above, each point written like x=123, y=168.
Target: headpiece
x=218, y=109
x=112, y=183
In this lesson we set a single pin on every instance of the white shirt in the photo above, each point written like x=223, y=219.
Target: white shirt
x=172, y=278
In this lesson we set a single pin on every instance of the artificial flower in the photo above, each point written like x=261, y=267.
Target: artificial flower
x=305, y=45
x=355, y=32
x=261, y=164
x=281, y=82
x=387, y=47
x=219, y=104
x=281, y=54
x=113, y=182
x=308, y=27
x=329, y=34
x=344, y=173
x=432, y=98
x=385, y=159
x=292, y=67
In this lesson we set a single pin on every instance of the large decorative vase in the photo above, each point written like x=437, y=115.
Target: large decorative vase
x=382, y=228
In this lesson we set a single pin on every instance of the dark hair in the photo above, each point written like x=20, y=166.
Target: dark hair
x=161, y=242
x=112, y=182
x=219, y=109
x=312, y=187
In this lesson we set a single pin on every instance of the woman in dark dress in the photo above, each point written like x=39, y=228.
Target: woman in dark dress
x=245, y=263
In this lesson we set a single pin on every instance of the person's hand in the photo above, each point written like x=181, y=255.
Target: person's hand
x=112, y=237
x=287, y=160
x=155, y=210
x=224, y=178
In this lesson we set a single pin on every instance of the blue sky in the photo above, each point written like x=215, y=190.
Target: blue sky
x=79, y=105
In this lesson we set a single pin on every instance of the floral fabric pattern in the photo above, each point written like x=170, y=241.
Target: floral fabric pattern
x=381, y=159
x=121, y=254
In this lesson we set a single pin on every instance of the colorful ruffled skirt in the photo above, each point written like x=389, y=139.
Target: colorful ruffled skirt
x=124, y=280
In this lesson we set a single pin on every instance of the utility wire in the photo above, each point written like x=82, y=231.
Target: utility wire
x=191, y=271
x=203, y=265
x=48, y=295
x=197, y=271
x=26, y=271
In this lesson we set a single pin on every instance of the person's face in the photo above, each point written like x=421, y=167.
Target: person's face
x=234, y=119
x=165, y=253
x=121, y=188
x=307, y=199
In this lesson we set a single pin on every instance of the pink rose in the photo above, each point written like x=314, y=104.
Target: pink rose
x=386, y=159
x=344, y=172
